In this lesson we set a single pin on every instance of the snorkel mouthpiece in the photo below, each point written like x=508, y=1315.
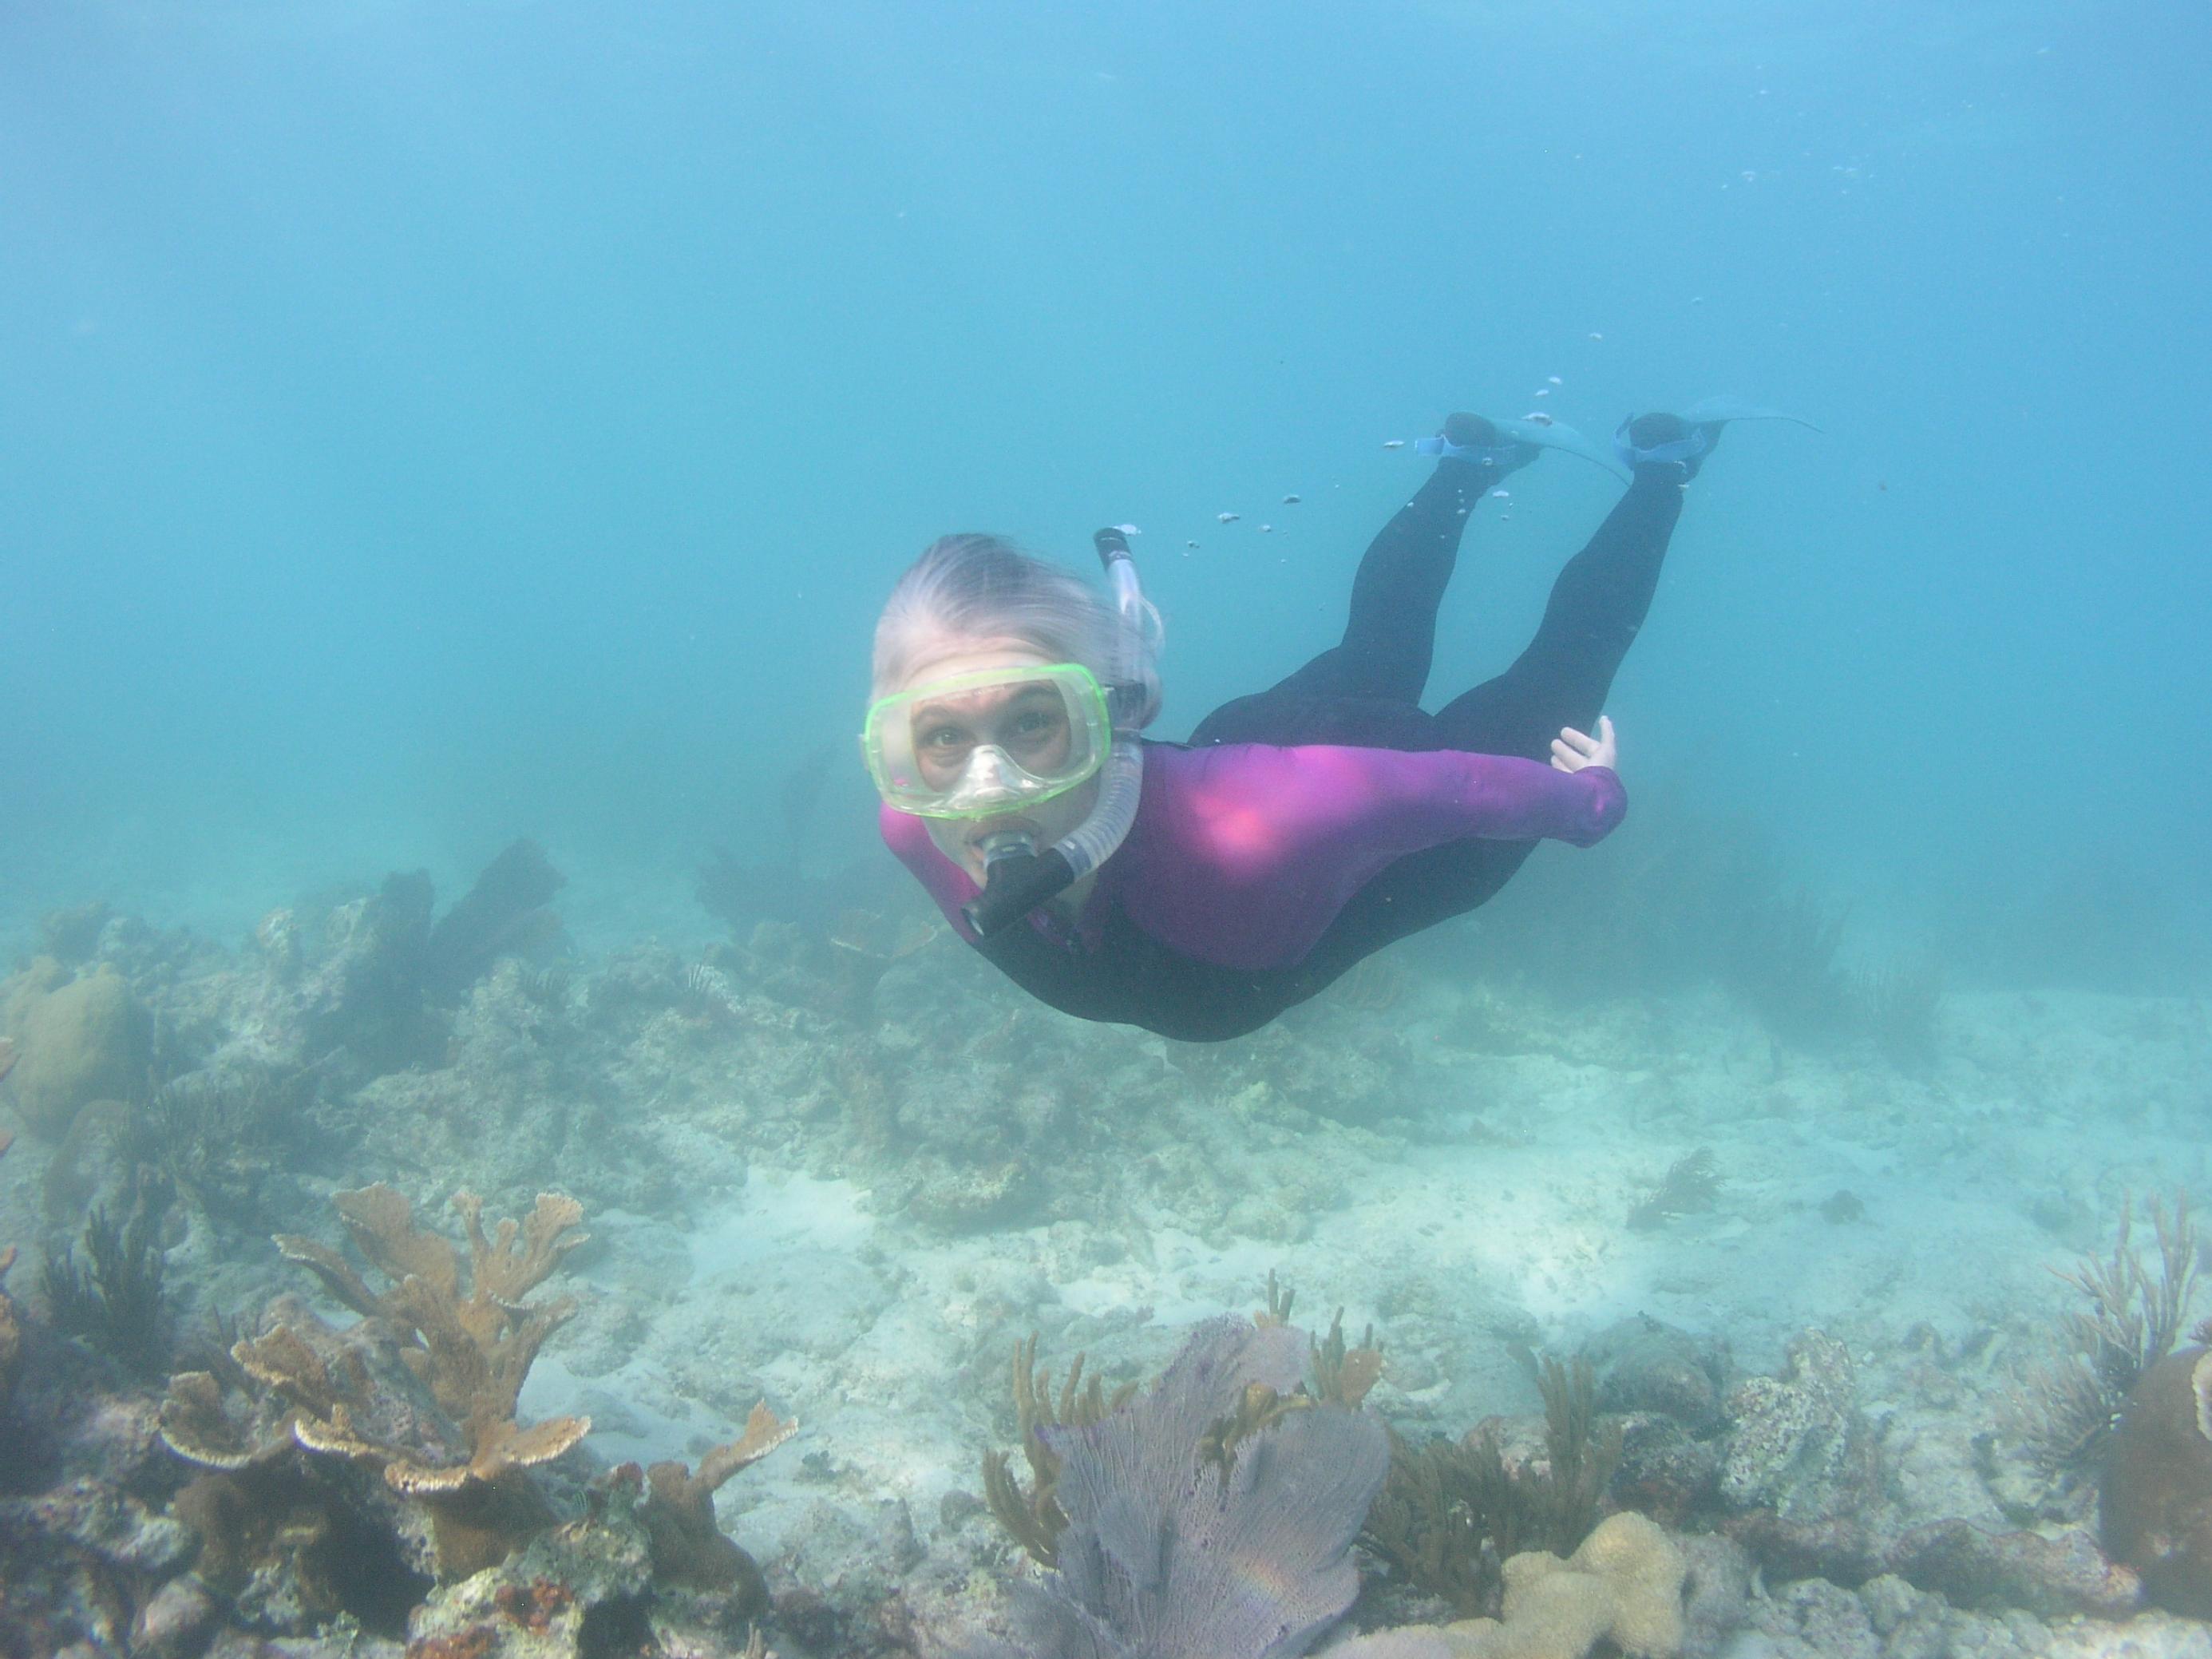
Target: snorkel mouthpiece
x=1016, y=877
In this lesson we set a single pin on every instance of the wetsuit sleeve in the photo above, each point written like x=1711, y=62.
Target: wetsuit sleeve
x=1254, y=849
x=908, y=836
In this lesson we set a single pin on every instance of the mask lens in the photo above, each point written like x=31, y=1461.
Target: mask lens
x=982, y=743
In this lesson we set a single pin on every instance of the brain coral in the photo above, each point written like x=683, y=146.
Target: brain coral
x=78, y=1039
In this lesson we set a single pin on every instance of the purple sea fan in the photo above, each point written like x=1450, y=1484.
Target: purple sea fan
x=1168, y=1557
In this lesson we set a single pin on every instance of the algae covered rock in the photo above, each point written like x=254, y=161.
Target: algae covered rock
x=1798, y=1443
x=1644, y=1364
x=76, y=1040
x=593, y=1578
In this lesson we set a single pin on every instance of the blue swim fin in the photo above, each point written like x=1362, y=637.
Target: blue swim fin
x=1700, y=423
x=1718, y=412
x=1541, y=434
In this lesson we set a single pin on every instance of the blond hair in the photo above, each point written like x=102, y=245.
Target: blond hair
x=982, y=587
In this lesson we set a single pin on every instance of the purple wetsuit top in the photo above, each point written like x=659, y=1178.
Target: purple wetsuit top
x=1243, y=855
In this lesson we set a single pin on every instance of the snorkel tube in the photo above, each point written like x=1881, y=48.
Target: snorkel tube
x=1017, y=876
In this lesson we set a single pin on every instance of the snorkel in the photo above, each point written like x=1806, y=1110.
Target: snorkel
x=1017, y=876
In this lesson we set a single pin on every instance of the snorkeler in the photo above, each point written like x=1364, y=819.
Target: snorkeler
x=1199, y=890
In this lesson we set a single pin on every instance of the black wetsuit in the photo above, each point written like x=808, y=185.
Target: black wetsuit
x=1366, y=692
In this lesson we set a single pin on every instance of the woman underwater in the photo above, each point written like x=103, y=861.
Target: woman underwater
x=1199, y=890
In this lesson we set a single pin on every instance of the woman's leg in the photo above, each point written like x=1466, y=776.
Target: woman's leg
x=1598, y=606
x=1390, y=635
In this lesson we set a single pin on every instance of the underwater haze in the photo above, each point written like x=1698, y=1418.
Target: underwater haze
x=422, y=425
x=498, y=1161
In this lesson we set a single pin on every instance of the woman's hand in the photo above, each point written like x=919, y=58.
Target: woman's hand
x=1571, y=750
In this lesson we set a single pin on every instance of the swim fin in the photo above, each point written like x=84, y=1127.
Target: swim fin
x=1540, y=435
x=1699, y=429
x=1714, y=411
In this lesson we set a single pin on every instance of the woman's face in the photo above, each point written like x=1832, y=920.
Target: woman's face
x=1028, y=722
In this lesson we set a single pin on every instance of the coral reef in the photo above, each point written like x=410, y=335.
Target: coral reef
x=2133, y=1314
x=1034, y=1519
x=1623, y=1586
x=1164, y=1553
x=861, y=1205
x=865, y=947
x=290, y=1540
x=71, y=934
x=370, y=988
x=504, y=914
x=1972, y=1566
x=2154, y=1503
x=1798, y=1443
x=1667, y=1387
x=363, y=995
x=688, y=1550
x=77, y=1561
x=600, y=1585
x=1450, y=1512
x=12, y=1328
x=1644, y=1364
x=2050, y=1576
x=581, y=1589
x=116, y=1302
x=75, y=1041
x=214, y=1132
x=472, y=1347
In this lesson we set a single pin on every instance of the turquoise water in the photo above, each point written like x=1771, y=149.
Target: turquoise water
x=421, y=426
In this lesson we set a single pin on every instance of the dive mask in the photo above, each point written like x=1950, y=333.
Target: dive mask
x=975, y=745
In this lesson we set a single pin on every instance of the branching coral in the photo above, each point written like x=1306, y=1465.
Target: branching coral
x=1450, y=1513
x=316, y=1539
x=689, y=1549
x=116, y=1302
x=210, y=1131
x=1342, y=1374
x=471, y=1346
x=1034, y=1518
x=2134, y=1313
